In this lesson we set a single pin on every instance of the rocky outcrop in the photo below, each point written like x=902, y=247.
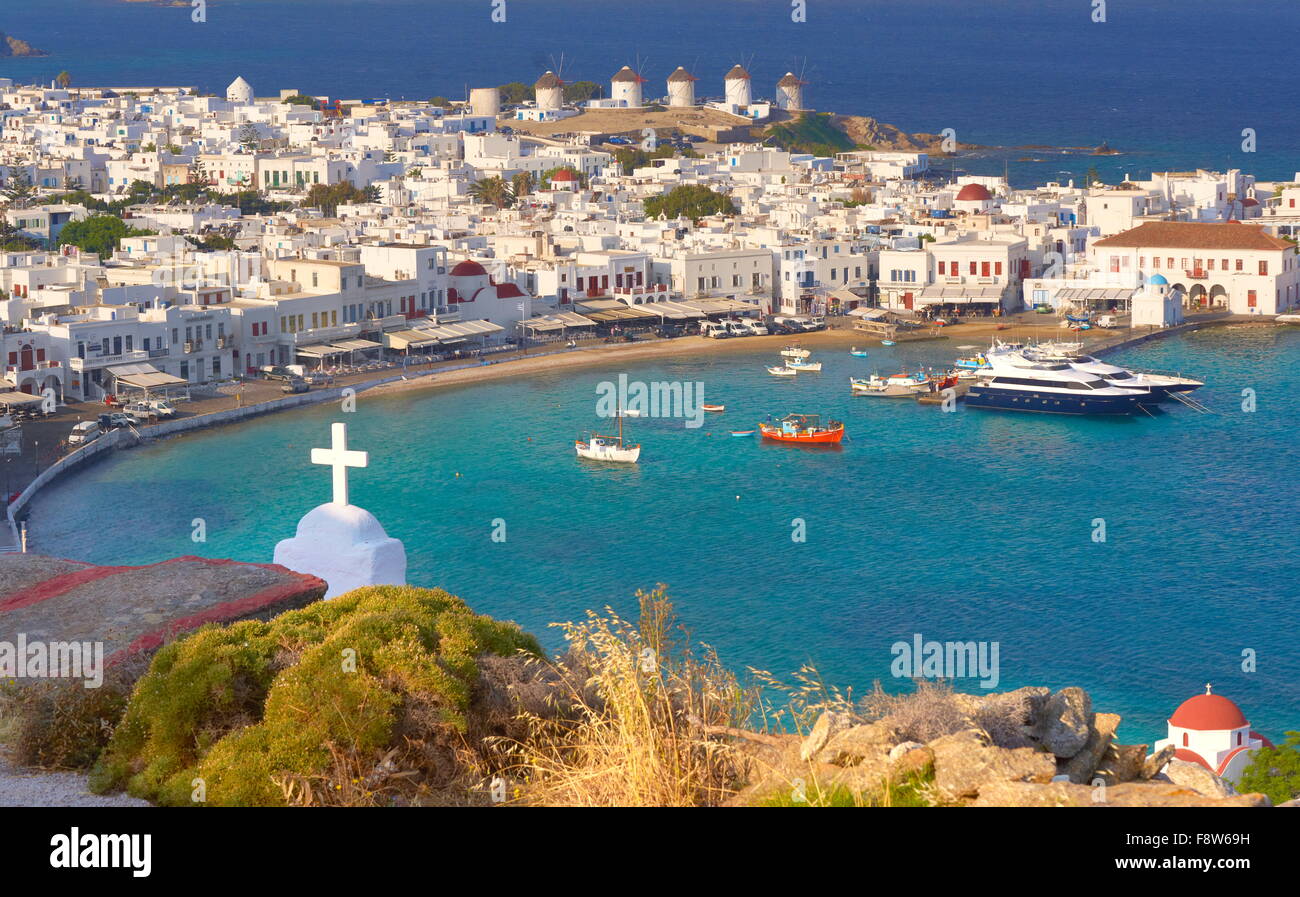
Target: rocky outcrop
x=133, y=610
x=868, y=131
x=1065, y=723
x=12, y=46
x=1027, y=748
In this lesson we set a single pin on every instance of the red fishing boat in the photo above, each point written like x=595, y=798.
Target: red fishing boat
x=804, y=429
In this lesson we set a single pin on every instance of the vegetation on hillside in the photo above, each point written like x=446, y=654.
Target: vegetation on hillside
x=101, y=234
x=301, y=710
x=811, y=132
x=1275, y=771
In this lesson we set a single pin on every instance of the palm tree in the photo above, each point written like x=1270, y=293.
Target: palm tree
x=494, y=191
x=521, y=184
x=64, y=80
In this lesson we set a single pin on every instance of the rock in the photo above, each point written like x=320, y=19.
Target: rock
x=1122, y=763
x=1101, y=733
x=1129, y=794
x=852, y=745
x=1294, y=802
x=12, y=46
x=966, y=762
x=133, y=610
x=1064, y=724
x=899, y=750
x=1197, y=777
x=1152, y=765
x=828, y=724
x=918, y=761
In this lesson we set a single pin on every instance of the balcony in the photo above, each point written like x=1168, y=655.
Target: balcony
x=91, y=362
x=655, y=289
x=1196, y=273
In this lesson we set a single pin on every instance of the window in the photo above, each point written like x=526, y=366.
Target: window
x=1263, y=268
x=1155, y=262
x=1241, y=265
x=972, y=267
x=1251, y=300
x=1185, y=741
x=941, y=267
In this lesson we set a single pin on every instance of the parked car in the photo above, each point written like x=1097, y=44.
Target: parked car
x=162, y=407
x=320, y=379
x=83, y=432
x=295, y=385
x=115, y=419
x=1108, y=321
x=140, y=412
x=276, y=372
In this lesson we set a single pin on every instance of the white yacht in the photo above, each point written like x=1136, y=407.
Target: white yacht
x=1158, y=384
x=1016, y=383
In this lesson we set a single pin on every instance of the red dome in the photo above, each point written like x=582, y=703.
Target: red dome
x=1208, y=712
x=1247, y=203
x=974, y=193
x=564, y=174
x=468, y=268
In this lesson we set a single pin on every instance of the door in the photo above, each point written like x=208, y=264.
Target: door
x=907, y=301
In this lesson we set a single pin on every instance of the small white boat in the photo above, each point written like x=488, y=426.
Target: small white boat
x=882, y=387
x=815, y=366
x=609, y=448
x=630, y=412
x=886, y=342
x=782, y=371
x=795, y=352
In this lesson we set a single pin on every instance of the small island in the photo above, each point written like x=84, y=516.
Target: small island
x=12, y=46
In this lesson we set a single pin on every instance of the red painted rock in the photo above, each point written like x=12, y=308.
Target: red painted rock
x=137, y=609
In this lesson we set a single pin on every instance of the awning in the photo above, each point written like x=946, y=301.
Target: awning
x=673, y=310
x=720, y=306
x=406, y=339
x=846, y=295
x=560, y=321
x=19, y=398
x=319, y=351
x=460, y=331
x=958, y=295
x=1089, y=296
x=867, y=313
x=604, y=311
x=355, y=345
x=144, y=376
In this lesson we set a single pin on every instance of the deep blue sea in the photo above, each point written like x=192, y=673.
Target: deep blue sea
x=1171, y=83
x=959, y=526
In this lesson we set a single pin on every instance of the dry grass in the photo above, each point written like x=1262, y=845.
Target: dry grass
x=934, y=710
x=641, y=705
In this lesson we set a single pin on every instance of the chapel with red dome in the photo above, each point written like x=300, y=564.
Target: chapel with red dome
x=1210, y=730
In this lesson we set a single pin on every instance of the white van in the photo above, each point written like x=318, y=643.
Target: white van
x=738, y=328
x=83, y=432
x=714, y=330
x=1107, y=321
x=757, y=328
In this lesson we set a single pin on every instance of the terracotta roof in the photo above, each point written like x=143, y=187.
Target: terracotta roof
x=974, y=193
x=564, y=174
x=1208, y=712
x=1193, y=235
x=468, y=268
x=548, y=80
x=737, y=73
x=681, y=75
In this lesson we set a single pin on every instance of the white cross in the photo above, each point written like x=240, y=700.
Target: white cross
x=338, y=457
x=1207, y=688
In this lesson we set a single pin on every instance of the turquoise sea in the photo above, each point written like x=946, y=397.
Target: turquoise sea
x=964, y=526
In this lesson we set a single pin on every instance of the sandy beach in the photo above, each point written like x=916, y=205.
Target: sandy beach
x=976, y=333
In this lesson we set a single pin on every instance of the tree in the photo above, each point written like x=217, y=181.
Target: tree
x=691, y=201
x=73, y=184
x=581, y=91
x=328, y=197
x=300, y=99
x=516, y=92
x=12, y=239
x=550, y=173
x=521, y=184
x=64, y=80
x=101, y=234
x=1275, y=771
x=249, y=139
x=19, y=189
x=198, y=174
x=493, y=191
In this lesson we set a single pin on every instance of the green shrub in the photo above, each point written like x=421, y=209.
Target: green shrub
x=287, y=711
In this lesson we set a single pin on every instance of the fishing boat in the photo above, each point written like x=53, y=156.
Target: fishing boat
x=795, y=352
x=805, y=429
x=714, y=407
x=972, y=363
x=858, y=353
x=782, y=371
x=882, y=388
x=743, y=432
x=886, y=342
x=798, y=365
x=609, y=448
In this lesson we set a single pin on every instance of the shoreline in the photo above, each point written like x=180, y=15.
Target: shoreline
x=466, y=375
